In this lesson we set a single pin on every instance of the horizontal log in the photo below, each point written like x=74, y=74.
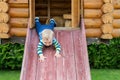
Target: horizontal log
x=93, y=23
x=116, y=23
x=4, y=28
x=18, y=12
x=116, y=14
x=18, y=22
x=97, y=23
x=20, y=32
x=4, y=35
x=97, y=13
x=17, y=1
x=116, y=33
x=97, y=4
x=93, y=4
x=92, y=13
x=18, y=5
x=3, y=7
x=97, y=33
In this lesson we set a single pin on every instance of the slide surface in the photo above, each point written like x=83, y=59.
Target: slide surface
x=73, y=65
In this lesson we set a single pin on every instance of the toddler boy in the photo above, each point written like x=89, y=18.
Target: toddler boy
x=46, y=37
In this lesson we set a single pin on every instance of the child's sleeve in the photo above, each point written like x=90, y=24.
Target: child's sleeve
x=57, y=45
x=39, y=48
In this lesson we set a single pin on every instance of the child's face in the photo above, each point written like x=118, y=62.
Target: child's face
x=47, y=42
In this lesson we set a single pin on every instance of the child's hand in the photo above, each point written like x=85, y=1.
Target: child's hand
x=57, y=55
x=42, y=58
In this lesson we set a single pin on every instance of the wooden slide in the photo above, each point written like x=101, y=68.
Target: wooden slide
x=73, y=65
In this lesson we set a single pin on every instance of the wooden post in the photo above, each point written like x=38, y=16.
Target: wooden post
x=32, y=13
x=75, y=12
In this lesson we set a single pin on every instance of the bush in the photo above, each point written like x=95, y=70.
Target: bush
x=11, y=55
x=103, y=55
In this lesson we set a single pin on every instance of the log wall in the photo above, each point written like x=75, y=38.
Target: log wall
x=14, y=18
x=102, y=18
x=4, y=18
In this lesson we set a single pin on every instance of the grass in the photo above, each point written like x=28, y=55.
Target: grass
x=96, y=74
x=105, y=74
x=9, y=75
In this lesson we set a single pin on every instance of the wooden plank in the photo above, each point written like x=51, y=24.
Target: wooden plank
x=25, y=57
x=60, y=62
x=32, y=62
x=81, y=58
x=66, y=65
x=28, y=71
x=47, y=70
x=78, y=55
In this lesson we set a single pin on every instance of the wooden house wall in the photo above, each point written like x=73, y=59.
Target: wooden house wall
x=16, y=17
x=94, y=12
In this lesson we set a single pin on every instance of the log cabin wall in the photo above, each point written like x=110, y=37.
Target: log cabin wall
x=4, y=18
x=15, y=19
x=102, y=18
x=14, y=16
x=18, y=17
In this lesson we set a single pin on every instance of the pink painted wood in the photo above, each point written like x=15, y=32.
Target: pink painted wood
x=73, y=65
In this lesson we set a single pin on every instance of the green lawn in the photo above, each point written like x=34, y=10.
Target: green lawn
x=105, y=74
x=97, y=74
x=9, y=75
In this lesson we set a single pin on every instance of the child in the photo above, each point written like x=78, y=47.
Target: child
x=46, y=37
